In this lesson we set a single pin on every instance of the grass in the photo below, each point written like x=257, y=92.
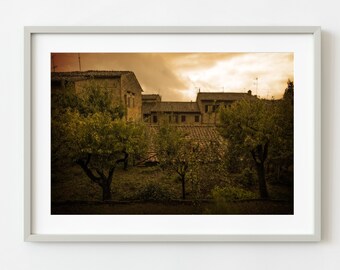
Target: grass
x=150, y=190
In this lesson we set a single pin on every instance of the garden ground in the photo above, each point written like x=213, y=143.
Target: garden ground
x=150, y=190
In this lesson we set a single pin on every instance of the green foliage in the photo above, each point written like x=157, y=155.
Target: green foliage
x=88, y=128
x=247, y=178
x=224, y=199
x=154, y=192
x=258, y=132
x=98, y=97
x=176, y=152
x=289, y=91
x=248, y=123
x=105, y=139
x=171, y=145
x=231, y=193
x=93, y=97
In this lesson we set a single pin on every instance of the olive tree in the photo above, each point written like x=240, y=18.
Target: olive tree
x=252, y=128
x=98, y=144
x=261, y=131
x=175, y=152
x=88, y=128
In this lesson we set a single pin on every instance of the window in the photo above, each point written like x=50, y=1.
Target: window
x=197, y=118
x=213, y=108
x=176, y=118
x=209, y=108
x=183, y=118
x=128, y=101
x=169, y=118
x=146, y=117
x=154, y=119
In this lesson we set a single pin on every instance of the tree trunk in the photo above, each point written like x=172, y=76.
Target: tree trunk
x=106, y=188
x=278, y=177
x=259, y=154
x=183, y=187
x=126, y=161
x=262, y=180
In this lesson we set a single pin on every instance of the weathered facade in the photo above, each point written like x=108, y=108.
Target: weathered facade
x=210, y=102
x=202, y=112
x=179, y=113
x=126, y=90
x=124, y=87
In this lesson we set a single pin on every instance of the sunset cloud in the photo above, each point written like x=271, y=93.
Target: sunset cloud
x=178, y=76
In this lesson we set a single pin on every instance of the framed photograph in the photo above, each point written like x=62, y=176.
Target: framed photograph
x=172, y=134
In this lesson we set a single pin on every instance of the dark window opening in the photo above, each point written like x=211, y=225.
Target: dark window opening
x=154, y=119
x=183, y=118
x=128, y=102
x=215, y=108
x=146, y=117
x=197, y=118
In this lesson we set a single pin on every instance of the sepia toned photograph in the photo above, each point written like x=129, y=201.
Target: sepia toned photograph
x=172, y=133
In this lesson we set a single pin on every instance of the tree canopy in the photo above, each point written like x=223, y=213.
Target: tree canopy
x=89, y=128
x=176, y=152
x=259, y=130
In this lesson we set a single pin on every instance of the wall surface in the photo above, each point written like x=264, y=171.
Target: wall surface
x=16, y=254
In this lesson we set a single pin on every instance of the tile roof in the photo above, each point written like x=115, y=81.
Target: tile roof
x=184, y=107
x=146, y=108
x=79, y=75
x=150, y=96
x=223, y=96
x=202, y=135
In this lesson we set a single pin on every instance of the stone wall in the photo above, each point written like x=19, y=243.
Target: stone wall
x=112, y=84
x=132, y=96
x=175, y=118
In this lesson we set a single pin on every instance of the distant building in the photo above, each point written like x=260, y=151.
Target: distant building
x=148, y=102
x=202, y=112
x=210, y=102
x=197, y=120
x=124, y=85
x=127, y=91
x=180, y=113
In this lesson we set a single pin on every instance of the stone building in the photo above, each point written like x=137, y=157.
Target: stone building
x=124, y=86
x=126, y=90
x=210, y=102
x=148, y=102
x=197, y=120
x=202, y=112
x=179, y=113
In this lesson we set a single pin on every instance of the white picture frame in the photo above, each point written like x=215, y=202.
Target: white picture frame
x=314, y=167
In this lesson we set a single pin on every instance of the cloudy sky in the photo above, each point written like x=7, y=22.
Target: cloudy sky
x=179, y=76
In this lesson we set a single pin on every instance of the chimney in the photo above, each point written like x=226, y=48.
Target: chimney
x=249, y=92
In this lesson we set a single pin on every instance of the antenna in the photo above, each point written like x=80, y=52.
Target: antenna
x=53, y=65
x=257, y=84
x=79, y=61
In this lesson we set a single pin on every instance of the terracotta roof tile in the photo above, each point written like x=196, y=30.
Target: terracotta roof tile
x=78, y=75
x=220, y=96
x=188, y=107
